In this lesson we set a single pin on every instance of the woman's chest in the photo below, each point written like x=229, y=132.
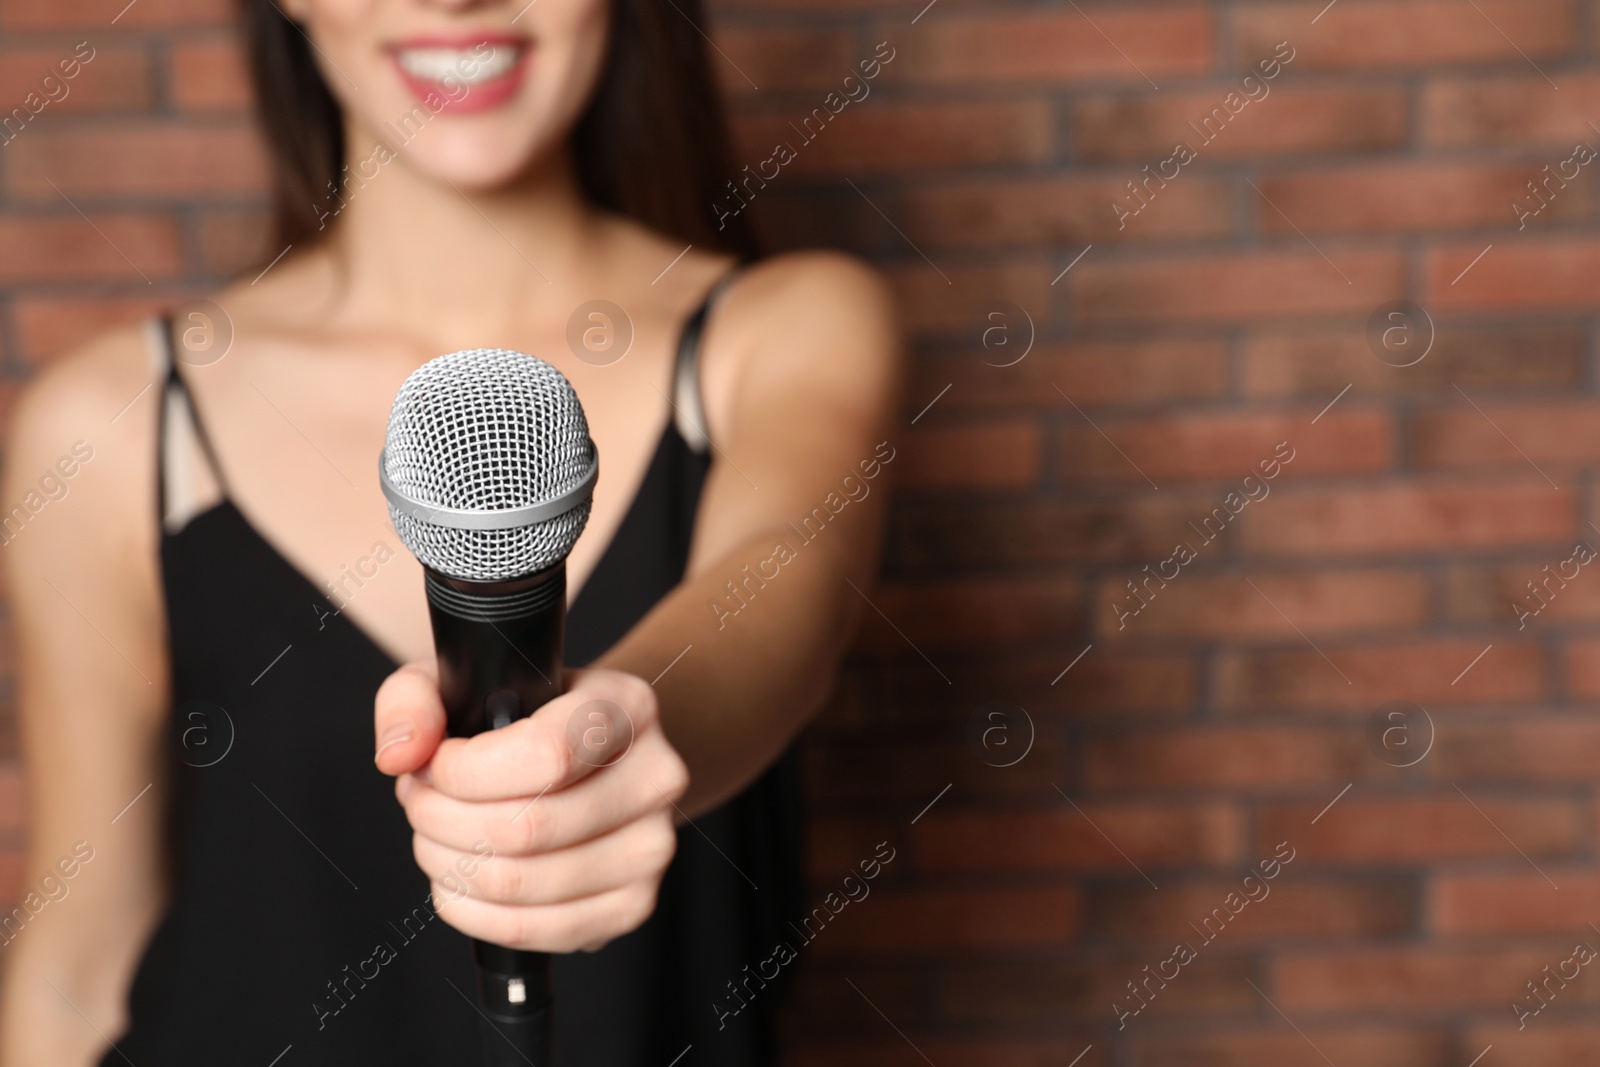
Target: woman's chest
x=299, y=454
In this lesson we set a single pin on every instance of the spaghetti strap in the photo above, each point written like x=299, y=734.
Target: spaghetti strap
x=688, y=405
x=174, y=386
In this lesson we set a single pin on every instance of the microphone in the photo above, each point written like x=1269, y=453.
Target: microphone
x=488, y=468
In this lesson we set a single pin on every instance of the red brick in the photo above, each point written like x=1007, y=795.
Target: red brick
x=975, y=456
x=886, y=768
x=168, y=161
x=1057, y=211
x=1323, y=362
x=1513, y=276
x=210, y=75
x=98, y=14
x=1406, y=828
x=1291, y=908
x=1535, y=593
x=1018, y=994
x=115, y=79
x=1227, y=758
x=1207, y=607
x=1412, y=518
x=831, y=7
x=1088, y=374
x=1225, y=448
x=11, y=806
x=1055, y=47
x=47, y=327
x=1152, y=835
x=1402, y=979
x=9, y=392
x=889, y=922
x=1403, y=33
x=67, y=247
x=11, y=877
x=1368, y=1047
x=1553, y=435
x=1145, y=128
x=1409, y=198
x=1399, y=671
x=791, y=58
x=232, y=241
x=953, y=534
x=1502, y=594
x=878, y=136
x=880, y=693
x=835, y=847
x=947, y=1052
x=978, y=611
x=1521, y=903
x=1521, y=109
x=833, y=1007
x=956, y=298
x=1552, y=1043
x=1106, y=683
x=1583, y=668
x=1231, y=287
x=1544, y=748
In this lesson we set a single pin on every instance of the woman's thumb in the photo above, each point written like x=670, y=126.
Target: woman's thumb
x=409, y=718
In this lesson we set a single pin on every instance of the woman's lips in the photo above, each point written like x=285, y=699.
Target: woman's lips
x=462, y=74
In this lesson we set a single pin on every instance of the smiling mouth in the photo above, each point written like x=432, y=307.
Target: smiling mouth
x=462, y=76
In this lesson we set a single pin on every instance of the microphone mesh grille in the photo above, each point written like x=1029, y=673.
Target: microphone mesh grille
x=487, y=429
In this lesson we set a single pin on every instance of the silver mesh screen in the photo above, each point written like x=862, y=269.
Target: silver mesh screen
x=487, y=429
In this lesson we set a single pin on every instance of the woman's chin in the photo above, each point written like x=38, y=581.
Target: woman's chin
x=472, y=163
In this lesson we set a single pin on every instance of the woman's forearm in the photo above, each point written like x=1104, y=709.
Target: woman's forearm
x=67, y=968
x=37, y=1023
x=744, y=652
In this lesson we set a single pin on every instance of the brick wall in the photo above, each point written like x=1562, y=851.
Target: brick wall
x=1334, y=671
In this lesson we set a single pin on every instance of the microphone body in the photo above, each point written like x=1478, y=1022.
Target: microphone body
x=499, y=646
x=489, y=471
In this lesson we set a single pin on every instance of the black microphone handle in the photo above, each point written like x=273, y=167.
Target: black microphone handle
x=499, y=646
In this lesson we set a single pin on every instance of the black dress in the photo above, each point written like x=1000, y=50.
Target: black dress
x=299, y=930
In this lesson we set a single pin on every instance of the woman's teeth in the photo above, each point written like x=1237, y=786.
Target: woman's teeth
x=465, y=65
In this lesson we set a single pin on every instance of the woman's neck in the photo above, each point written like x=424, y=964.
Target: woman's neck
x=430, y=257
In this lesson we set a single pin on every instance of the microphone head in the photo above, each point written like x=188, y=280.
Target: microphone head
x=488, y=465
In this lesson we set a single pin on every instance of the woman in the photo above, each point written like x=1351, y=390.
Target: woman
x=219, y=869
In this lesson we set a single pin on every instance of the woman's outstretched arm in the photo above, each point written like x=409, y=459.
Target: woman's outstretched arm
x=790, y=523
x=79, y=552
x=803, y=366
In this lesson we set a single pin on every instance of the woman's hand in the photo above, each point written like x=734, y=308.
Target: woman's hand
x=551, y=834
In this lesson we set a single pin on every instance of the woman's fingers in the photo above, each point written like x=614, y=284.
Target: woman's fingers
x=409, y=718
x=565, y=740
x=579, y=925
x=651, y=779
x=639, y=851
x=550, y=834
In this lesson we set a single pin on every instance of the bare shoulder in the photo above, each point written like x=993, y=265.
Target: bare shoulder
x=99, y=392
x=822, y=322
x=80, y=455
x=831, y=291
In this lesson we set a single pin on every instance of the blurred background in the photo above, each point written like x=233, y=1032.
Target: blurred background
x=1373, y=273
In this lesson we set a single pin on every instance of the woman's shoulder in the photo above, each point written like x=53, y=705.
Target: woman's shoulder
x=805, y=283
x=819, y=313
x=813, y=328
x=93, y=388
x=97, y=400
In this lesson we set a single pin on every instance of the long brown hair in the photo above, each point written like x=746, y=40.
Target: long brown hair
x=652, y=145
